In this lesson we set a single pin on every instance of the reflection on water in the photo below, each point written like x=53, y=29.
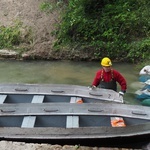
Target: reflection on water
x=64, y=72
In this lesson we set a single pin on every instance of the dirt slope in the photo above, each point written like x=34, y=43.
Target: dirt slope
x=28, y=12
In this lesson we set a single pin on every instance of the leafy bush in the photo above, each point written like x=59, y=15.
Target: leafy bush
x=140, y=50
x=9, y=36
x=15, y=35
x=115, y=28
x=49, y=7
x=108, y=27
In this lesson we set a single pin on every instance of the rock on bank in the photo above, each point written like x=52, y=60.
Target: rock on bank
x=7, y=145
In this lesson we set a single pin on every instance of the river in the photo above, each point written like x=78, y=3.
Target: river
x=65, y=72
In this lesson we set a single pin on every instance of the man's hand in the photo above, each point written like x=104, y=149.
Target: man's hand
x=121, y=93
x=92, y=87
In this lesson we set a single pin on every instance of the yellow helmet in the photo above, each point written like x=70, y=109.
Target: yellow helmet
x=106, y=62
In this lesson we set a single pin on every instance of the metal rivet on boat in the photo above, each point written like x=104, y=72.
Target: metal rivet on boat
x=95, y=94
x=21, y=89
x=50, y=110
x=7, y=111
x=95, y=110
x=57, y=91
x=139, y=113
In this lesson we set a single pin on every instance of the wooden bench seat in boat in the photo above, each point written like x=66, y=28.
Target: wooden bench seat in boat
x=73, y=121
x=2, y=98
x=29, y=121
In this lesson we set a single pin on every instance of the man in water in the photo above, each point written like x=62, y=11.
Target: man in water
x=107, y=77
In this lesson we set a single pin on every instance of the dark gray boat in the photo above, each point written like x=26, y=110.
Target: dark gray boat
x=45, y=93
x=70, y=114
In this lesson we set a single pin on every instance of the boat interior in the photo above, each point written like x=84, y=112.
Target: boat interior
x=32, y=98
x=65, y=111
x=64, y=121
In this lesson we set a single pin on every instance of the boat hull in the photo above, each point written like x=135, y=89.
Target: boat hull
x=79, y=137
x=146, y=102
x=57, y=91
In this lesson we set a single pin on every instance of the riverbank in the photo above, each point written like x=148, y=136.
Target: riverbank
x=29, y=13
x=65, y=55
x=8, y=145
x=41, y=24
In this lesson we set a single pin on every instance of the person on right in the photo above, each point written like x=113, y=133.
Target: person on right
x=107, y=77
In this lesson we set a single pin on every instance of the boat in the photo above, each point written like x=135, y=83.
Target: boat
x=143, y=93
x=144, y=73
x=144, y=78
x=71, y=114
x=27, y=93
x=146, y=102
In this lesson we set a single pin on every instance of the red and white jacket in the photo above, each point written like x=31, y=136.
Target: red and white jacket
x=101, y=75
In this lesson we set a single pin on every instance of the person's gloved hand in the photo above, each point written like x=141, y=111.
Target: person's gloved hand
x=121, y=93
x=92, y=87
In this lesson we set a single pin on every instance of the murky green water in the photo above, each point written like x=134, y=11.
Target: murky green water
x=64, y=72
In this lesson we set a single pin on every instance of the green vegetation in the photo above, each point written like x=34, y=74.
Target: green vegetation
x=15, y=37
x=119, y=29
x=48, y=7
